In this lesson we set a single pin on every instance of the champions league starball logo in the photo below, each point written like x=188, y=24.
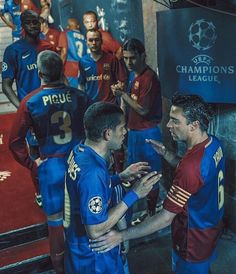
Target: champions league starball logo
x=202, y=34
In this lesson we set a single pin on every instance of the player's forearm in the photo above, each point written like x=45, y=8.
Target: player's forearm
x=148, y=226
x=134, y=105
x=115, y=214
x=9, y=92
x=171, y=157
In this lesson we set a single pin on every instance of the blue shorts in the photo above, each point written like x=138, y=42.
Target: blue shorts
x=51, y=175
x=180, y=266
x=31, y=139
x=139, y=150
x=80, y=259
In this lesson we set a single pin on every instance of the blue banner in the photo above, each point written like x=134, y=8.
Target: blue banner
x=196, y=53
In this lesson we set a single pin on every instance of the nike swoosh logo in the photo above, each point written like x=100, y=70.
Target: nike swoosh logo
x=25, y=56
x=87, y=68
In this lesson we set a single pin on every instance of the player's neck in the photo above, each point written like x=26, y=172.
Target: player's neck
x=99, y=147
x=196, y=139
x=96, y=55
x=32, y=39
x=140, y=69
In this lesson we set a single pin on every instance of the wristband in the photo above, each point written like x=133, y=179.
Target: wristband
x=130, y=198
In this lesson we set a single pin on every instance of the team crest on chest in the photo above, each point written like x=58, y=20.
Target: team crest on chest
x=136, y=85
x=106, y=77
x=95, y=205
x=106, y=66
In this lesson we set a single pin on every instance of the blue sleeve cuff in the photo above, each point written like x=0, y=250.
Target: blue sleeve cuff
x=115, y=180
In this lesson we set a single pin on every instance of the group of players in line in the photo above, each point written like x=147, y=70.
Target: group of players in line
x=77, y=110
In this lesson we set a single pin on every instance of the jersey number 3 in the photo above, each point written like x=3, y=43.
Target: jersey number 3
x=63, y=120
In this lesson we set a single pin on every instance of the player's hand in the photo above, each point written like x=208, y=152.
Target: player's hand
x=118, y=88
x=134, y=171
x=38, y=161
x=157, y=146
x=144, y=185
x=106, y=242
x=4, y=174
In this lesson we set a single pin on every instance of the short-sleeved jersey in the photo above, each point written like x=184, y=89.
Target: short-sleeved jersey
x=19, y=63
x=109, y=44
x=87, y=201
x=52, y=36
x=98, y=76
x=145, y=90
x=56, y=115
x=197, y=197
x=15, y=11
x=75, y=44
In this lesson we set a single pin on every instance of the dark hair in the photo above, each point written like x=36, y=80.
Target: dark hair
x=50, y=65
x=93, y=30
x=134, y=45
x=28, y=13
x=91, y=12
x=194, y=109
x=99, y=117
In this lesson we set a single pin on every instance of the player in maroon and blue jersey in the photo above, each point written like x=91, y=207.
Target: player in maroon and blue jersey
x=13, y=8
x=49, y=34
x=100, y=70
x=88, y=209
x=73, y=47
x=19, y=60
x=109, y=44
x=144, y=104
x=55, y=113
x=194, y=205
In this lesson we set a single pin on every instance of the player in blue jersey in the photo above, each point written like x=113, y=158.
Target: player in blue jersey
x=55, y=113
x=19, y=60
x=19, y=64
x=194, y=205
x=13, y=8
x=88, y=209
x=73, y=47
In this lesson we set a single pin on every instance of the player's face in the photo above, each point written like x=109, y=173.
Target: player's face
x=178, y=124
x=118, y=135
x=90, y=21
x=132, y=60
x=94, y=41
x=31, y=25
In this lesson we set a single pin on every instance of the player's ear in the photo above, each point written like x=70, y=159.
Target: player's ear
x=107, y=134
x=40, y=74
x=195, y=125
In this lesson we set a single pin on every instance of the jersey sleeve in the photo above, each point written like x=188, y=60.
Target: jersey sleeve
x=81, y=74
x=93, y=197
x=150, y=92
x=119, y=70
x=17, y=142
x=9, y=66
x=109, y=44
x=62, y=41
x=187, y=181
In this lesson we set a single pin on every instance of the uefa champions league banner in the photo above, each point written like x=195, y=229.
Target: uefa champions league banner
x=197, y=53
